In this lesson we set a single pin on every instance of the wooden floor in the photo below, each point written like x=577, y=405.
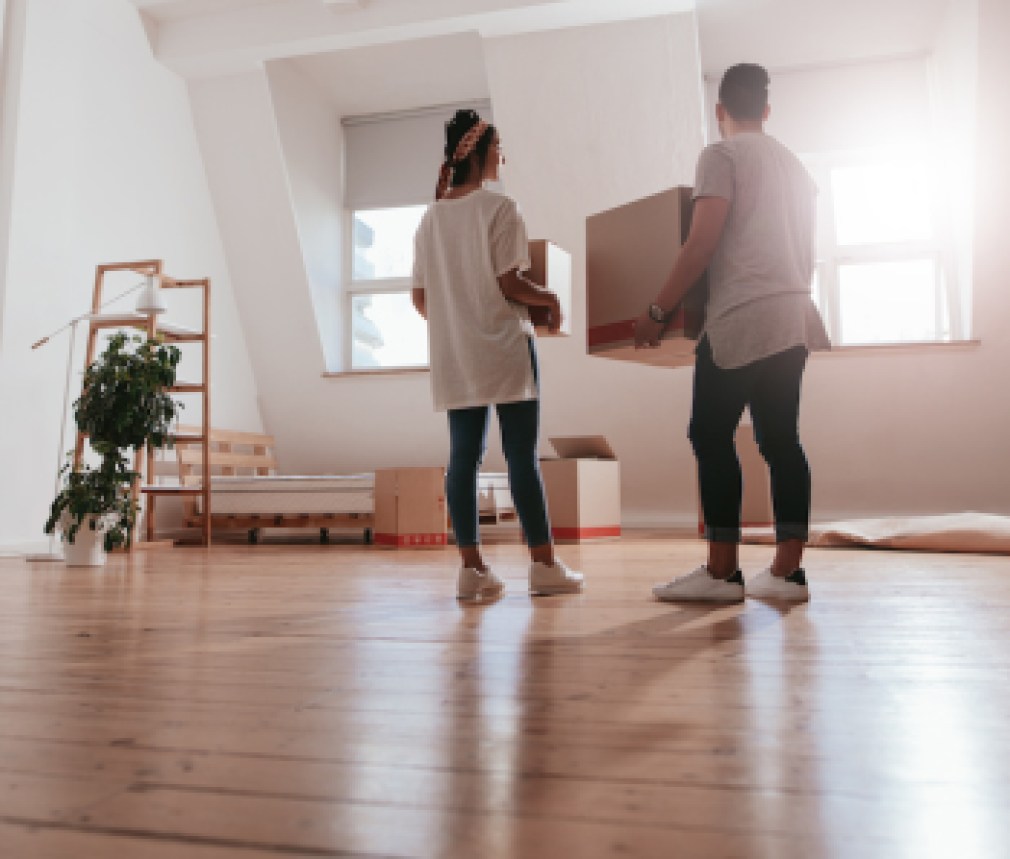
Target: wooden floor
x=305, y=700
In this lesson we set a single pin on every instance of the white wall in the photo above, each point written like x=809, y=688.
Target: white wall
x=106, y=169
x=237, y=126
x=954, y=85
x=842, y=107
x=312, y=143
x=992, y=250
x=12, y=19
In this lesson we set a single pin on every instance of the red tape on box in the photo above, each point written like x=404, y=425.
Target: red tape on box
x=586, y=533
x=411, y=539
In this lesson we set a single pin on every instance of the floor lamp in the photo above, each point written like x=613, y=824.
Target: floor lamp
x=150, y=301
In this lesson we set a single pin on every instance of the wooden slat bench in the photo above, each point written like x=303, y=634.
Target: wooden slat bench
x=248, y=494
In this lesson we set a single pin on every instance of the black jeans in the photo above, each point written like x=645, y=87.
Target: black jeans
x=770, y=388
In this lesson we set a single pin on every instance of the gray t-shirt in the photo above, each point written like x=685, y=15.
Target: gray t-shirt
x=759, y=277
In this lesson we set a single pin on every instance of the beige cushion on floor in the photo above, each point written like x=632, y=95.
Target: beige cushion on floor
x=951, y=532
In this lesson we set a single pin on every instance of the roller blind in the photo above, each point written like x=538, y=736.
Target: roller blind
x=393, y=159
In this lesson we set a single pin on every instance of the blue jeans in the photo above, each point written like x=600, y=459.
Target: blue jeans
x=770, y=388
x=519, y=424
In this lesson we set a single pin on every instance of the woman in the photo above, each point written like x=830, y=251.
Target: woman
x=468, y=252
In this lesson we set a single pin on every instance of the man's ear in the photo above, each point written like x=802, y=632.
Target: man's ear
x=767, y=112
x=720, y=112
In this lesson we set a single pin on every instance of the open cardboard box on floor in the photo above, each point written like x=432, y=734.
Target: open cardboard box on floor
x=551, y=266
x=583, y=488
x=630, y=251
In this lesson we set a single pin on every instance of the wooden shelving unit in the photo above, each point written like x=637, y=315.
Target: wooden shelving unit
x=97, y=322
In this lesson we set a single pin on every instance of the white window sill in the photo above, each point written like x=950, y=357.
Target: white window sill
x=375, y=372
x=921, y=347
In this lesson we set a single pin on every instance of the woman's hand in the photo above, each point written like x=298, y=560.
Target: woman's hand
x=556, y=317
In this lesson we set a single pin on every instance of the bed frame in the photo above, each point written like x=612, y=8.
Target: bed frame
x=233, y=454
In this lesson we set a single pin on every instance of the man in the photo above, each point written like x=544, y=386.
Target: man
x=753, y=229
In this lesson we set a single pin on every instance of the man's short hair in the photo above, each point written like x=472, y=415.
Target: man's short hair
x=744, y=91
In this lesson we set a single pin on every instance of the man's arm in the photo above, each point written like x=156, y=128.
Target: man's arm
x=417, y=297
x=707, y=224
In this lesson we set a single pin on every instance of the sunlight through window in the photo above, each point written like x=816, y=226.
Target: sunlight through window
x=882, y=201
x=889, y=302
x=387, y=331
x=383, y=242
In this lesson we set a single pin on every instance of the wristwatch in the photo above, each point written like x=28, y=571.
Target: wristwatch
x=657, y=314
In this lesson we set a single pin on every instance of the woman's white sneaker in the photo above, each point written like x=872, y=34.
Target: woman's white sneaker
x=477, y=585
x=791, y=588
x=546, y=580
x=701, y=586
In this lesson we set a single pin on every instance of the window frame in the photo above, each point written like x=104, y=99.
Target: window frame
x=373, y=286
x=831, y=256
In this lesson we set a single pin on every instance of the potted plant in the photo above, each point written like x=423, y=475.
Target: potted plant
x=124, y=405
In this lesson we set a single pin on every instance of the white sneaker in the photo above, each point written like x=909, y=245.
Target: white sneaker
x=701, y=586
x=476, y=585
x=546, y=580
x=768, y=587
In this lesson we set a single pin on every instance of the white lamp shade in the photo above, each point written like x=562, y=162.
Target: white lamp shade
x=151, y=299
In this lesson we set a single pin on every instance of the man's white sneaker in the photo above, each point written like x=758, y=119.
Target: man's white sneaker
x=546, y=580
x=476, y=585
x=701, y=586
x=792, y=588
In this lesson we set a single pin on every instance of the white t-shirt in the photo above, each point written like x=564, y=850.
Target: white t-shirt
x=759, y=276
x=478, y=341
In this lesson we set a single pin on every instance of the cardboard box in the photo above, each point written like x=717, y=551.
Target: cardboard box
x=630, y=251
x=583, y=489
x=410, y=507
x=756, y=504
x=551, y=266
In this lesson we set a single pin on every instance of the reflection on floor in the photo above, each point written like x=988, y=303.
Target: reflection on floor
x=308, y=700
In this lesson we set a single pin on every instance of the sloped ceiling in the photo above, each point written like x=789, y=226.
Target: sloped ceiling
x=208, y=37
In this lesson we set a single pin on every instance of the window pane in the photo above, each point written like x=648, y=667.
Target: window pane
x=386, y=331
x=888, y=302
x=881, y=202
x=383, y=241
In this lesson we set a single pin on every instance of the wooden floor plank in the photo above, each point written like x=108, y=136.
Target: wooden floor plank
x=335, y=700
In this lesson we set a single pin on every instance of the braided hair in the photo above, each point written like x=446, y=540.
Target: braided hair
x=458, y=172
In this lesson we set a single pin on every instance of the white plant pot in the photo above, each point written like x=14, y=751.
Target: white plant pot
x=88, y=548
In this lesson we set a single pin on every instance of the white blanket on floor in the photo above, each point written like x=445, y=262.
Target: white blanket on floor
x=951, y=532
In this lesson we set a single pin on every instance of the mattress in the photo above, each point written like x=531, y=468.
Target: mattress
x=311, y=495
x=284, y=495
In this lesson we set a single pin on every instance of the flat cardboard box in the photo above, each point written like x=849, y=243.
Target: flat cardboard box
x=756, y=504
x=410, y=507
x=551, y=266
x=583, y=489
x=630, y=251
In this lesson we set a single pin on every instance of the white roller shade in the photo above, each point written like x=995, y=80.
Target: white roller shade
x=393, y=159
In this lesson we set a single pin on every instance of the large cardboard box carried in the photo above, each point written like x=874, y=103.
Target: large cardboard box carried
x=583, y=488
x=551, y=266
x=630, y=251
x=410, y=507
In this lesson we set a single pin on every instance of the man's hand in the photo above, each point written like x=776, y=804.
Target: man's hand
x=648, y=332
